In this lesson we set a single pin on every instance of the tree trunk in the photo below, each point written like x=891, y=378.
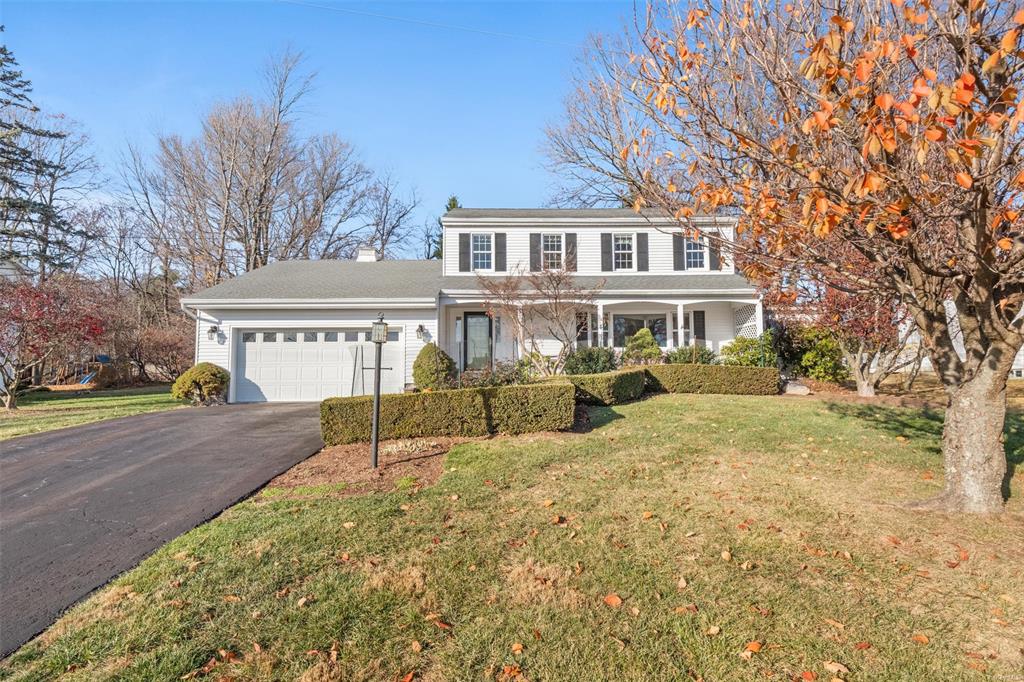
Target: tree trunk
x=972, y=445
x=10, y=401
x=865, y=387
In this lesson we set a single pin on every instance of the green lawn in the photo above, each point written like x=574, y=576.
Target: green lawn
x=717, y=521
x=45, y=411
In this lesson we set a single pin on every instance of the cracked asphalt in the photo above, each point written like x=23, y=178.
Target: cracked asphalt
x=80, y=506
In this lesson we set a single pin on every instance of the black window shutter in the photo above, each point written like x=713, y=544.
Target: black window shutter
x=714, y=257
x=606, y=252
x=570, y=251
x=499, y=252
x=698, y=328
x=464, y=264
x=678, y=252
x=642, y=262
x=534, y=252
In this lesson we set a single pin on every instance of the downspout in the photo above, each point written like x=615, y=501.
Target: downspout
x=195, y=342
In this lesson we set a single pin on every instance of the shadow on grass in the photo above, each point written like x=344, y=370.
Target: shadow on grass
x=601, y=416
x=927, y=423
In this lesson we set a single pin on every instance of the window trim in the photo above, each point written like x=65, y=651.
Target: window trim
x=472, y=251
x=632, y=251
x=702, y=242
x=561, y=250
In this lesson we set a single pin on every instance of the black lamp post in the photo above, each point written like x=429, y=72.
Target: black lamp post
x=379, y=336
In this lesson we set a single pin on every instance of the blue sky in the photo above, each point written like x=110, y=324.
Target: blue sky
x=445, y=110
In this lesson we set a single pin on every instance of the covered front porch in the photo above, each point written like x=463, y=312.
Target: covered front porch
x=476, y=341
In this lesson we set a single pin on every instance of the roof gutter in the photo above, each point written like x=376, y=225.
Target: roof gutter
x=307, y=303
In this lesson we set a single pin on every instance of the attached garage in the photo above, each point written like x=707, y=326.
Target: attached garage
x=299, y=330
x=278, y=365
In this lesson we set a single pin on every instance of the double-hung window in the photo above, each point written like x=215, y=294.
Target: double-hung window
x=622, y=251
x=551, y=251
x=694, y=254
x=482, y=256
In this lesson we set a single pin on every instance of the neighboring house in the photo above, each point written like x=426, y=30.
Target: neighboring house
x=298, y=330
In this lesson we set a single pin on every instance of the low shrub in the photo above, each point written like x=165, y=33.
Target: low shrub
x=433, y=368
x=821, y=357
x=502, y=374
x=609, y=388
x=203, y=384
x=691, y=355
x=751, y=352
x=593, y=360
x=456, y=412
x=641, y=349
x=736, y=380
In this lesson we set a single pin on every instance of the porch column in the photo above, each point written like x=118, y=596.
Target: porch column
x=600, y=324
x=668, y=332
x=681, y=323
x=759, y=314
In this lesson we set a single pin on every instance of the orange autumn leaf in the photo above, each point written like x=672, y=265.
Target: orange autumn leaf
x=753, y=647
x=1005, y=243
x=920, y=639
x=862, y=646
x=809, y=675
x=964, y=180
x=613, y=600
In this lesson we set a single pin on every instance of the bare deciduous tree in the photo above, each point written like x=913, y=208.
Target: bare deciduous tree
x=543, y=310
x=249, y=189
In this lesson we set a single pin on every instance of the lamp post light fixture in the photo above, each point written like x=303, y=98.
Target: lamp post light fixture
x=379, y=336
x=212, y=332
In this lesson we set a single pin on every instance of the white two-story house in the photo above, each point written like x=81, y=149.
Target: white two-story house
x=299, y=330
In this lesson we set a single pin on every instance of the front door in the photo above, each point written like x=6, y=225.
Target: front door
x=477, y=341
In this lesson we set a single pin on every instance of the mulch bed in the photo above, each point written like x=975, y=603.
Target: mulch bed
x=418, y=458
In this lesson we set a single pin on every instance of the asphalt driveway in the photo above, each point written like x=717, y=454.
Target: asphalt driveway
x=81, y=505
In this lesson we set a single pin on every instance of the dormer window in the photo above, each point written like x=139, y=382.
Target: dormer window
x=482, y=255
x=622, y=251
x=551, y=251
x=694, y=254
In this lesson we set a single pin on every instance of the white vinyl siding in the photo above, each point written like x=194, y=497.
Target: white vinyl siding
x=588, y=248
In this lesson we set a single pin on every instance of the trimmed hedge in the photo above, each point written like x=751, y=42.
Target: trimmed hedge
x=531, y=407
x=458, y=412
x=203, y=384
x=609, y=388
x=728, y=379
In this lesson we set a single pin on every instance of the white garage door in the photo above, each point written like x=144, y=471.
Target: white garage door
x=312, y=364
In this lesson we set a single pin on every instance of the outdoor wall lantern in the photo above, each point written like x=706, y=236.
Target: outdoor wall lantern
x=212, y=332
x=421, y=331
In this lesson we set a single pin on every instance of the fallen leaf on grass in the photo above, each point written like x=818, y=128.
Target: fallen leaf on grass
x=409, y=677
x=548, y=503
x=648, y=515
x=809, y=675
x=920, y=638
x=349, y=524
x=726, y=555
x=751, y=649
x=835, y=623
x=231, y=598
x=416, y=646
x=835, y=667
x=862, y=646
x=613, y=600
x=517, y=648
x=712, y=631
x=681, y=585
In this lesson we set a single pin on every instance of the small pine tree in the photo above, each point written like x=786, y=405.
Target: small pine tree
x=433, y=368
x=642, y=349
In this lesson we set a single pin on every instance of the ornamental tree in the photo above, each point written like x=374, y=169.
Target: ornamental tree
x=39, y=321
x=887, y=127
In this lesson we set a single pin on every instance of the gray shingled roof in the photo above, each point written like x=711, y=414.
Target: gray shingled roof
x=331, y=279
x=537, y=213
x=405, y=279
x=681, y=282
